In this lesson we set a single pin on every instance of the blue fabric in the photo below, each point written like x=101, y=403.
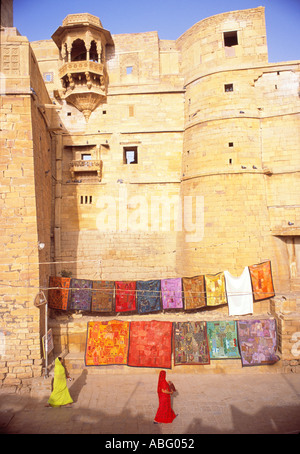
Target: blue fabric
x=148, y=296
x=80, y=294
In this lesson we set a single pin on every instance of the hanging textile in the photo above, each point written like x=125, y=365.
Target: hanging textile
x=150, y=344
x=171, y=293
x=239, y=293
x=58, y=294
x=80, y=296
x=125, y=296
x=215, y=289
x=190, y=343
x=262, y=282
x=148, y=296
x=223, y=340
x=103, y=295
x=258, y=342
x=107, y=343
x=194, y=292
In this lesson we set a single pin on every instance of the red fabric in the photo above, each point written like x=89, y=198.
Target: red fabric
x=150, y=344
x=164, y=413
x=125, y=296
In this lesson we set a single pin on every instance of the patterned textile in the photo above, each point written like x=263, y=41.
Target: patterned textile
x=223, y=340
x=150, y=344
x=262, y=282
x=148, y=296
x=239, y=293
x=58, y=297
x=257, y=341
x=107, y=343
x=215, y=289
x=80, y=296
x=190, y=343
x=103, y=296
x=194, y=292
x=171, y=292
x=125, y=296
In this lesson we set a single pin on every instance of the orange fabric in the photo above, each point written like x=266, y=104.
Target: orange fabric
x=261, y=279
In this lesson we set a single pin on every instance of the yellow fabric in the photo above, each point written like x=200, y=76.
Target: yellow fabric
x=60, y=394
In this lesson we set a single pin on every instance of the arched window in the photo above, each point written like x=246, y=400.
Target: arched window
x=78, y=52
x=93, y=52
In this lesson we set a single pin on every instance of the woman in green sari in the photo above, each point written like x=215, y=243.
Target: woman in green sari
x=60, y=394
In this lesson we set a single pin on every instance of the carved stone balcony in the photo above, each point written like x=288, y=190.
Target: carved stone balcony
x=83, y=166
x=82, y=41
x=84, y=85
x=81, y=67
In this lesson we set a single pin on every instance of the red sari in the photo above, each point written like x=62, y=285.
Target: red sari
x=164, y=413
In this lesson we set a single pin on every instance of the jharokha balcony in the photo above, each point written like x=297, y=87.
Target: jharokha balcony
x=82, y=167
x=82, y=41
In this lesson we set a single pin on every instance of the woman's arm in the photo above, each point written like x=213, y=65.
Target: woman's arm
x=166, y=391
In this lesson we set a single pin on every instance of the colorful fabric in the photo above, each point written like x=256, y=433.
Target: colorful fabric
x=103, y=295
x=223, y=340
x=215, y=289
x=80, y=295
x=58, y=297
x=171, y=293
x=125, y=296
x=190, y=343
x=239, y=293
x=148, y=296
x=60, y=394
x=150, y=344
x=164, y=414
x=194, y=292
x=107, y=343
x=262, y=282
x=257, y=341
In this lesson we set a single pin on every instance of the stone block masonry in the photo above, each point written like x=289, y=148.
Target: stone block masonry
x=204, y=117
x=25, y=157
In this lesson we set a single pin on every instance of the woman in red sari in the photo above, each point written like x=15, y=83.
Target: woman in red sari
x=164, y=413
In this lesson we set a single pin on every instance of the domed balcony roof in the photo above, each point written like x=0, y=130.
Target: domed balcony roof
x=77, y=21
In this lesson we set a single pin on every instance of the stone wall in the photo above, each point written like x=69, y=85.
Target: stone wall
x=25, y=210
x=214, y=127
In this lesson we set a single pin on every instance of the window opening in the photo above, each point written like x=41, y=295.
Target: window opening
x=129, y=69
x=78, y=51
x=228, y=87
x=48, y=77
x=130, y=155
x=230, y=144
x=86, y=157
x=86, y=199
x=230, y=39
x=93, y=52
x=131, y=111
x=230, y=161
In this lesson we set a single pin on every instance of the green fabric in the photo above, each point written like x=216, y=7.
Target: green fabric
x=60, y=394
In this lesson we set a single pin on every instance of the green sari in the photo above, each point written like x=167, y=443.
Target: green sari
x=60, y=394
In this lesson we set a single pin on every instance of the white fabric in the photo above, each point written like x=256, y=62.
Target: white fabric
x=239, y=293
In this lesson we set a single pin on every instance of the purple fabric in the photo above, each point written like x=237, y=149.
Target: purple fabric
x=171, y=292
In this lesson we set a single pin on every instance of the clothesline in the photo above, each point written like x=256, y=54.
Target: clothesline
x=254, y=284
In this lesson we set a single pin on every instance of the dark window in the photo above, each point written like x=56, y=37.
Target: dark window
x=130, y=155
x=230, y=39
x=228, y=87
x=86, y=199
x=230, y=144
